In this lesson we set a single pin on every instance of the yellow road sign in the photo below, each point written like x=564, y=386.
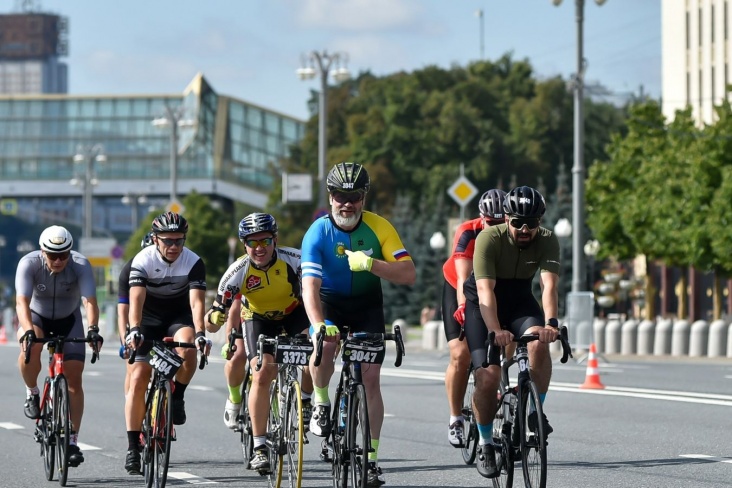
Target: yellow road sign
x=176, y=207
x=8, y=206
x=462, y=191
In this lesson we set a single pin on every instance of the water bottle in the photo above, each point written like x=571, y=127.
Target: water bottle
x=509, y=405
x=344, y=413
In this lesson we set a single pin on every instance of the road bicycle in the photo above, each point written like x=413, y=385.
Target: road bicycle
x=518, y=425
x=470, y=439
x=157, y=425
x=285, y=426
x=54, y=427
x=243, y=420
x=349, y=442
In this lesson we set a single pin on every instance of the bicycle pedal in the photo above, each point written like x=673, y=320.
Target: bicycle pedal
x=264, y=472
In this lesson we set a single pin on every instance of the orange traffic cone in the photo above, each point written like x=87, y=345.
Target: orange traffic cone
x=3, y=335
x=592, y=379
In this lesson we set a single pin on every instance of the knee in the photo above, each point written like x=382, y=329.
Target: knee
x=486, y=379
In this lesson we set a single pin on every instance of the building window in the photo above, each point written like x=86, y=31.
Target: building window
x=700, y=26
x=726, y=29
x=713, y=94
x=688, y=36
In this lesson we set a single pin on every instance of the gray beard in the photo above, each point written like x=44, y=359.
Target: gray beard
x=346, y=222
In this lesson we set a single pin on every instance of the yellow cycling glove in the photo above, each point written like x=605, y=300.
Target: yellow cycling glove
x=330, y=329
x=217, y=316
x=225, y=351
x=358, y=261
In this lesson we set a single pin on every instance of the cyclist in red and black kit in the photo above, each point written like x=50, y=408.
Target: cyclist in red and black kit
x=457, y=269
x=500, y=300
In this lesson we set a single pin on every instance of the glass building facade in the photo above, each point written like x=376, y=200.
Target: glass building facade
x=227, y=148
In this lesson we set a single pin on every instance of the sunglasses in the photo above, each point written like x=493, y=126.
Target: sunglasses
x=518, y=223
x=254, y=243
x=172, y=242
x=58, y=256
x=352, y=197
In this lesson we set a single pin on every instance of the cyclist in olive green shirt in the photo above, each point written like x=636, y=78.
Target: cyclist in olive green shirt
x=499, y=299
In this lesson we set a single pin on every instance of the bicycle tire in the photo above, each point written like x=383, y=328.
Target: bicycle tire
x=339, y=471
x=274, y=437
x=245, y=421
x=359, y=437
x=470, y=446
x=62, y=428
x=533, y=442
x=504, y=449
x=44, y=427
x=163, y=431
x=294, y=430
x=148, y=438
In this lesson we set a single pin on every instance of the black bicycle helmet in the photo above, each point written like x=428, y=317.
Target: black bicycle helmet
x=147, y=240
x=348, y=177
x=491, y=204
x=169, y=222
x=524, y=201
x=257, y=222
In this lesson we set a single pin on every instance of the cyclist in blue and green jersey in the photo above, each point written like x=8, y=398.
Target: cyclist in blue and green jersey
x=344, y=257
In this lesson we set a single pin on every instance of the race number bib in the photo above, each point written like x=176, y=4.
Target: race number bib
x=359, y=352
x=298, y=354
x=165, y=361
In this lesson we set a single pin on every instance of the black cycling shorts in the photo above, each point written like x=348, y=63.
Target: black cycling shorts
x=449, y=305
x=294, y=323
x=71, y=326
x=158, y=333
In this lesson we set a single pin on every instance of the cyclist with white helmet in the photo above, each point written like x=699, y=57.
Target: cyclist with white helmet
x=456, y=270
x=500, y=300
x=49, y=287
x=265, y=285
x=167, y=299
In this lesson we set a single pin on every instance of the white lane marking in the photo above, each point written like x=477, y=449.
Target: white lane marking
x=669, y=395
x=200, y=388
x=10, y=426
x=92, y=373
x=190, y=478
x=707, y=457
x=88, y=447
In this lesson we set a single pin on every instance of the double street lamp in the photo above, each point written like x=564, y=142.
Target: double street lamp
x=578, y=169
x=134, y=200
x=88, y=154
x=320, y=63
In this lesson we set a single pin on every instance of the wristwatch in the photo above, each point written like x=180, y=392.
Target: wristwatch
x=553, y=322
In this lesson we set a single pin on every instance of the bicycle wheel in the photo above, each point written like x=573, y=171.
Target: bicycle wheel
x=148, y=438
x=359, y=437
x=44, y=432
x=338, y=442
x=62, y=428
x=245, y=421
x=533, y=442
x=275, y=436
x=162, y=431
x=470, y=447
x=294, y=439
x=503, y=448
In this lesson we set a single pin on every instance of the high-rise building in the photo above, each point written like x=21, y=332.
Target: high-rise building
x=30, y=47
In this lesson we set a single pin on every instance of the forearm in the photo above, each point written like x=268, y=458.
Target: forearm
x=549, y=300
x=92, y=311
x=311, y=300
x=123, y=314
x=198, y=309
x=399, y=272
x=22, y=308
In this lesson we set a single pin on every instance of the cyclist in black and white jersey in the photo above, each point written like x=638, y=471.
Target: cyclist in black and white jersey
x=49, y=285
x=167, y=293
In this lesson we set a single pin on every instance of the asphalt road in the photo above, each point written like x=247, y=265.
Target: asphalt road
x=658, y=423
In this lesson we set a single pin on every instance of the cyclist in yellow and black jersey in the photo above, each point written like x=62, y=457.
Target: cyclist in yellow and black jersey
x=265, y=284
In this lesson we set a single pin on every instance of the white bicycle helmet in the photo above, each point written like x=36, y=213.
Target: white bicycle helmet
x=56, y=239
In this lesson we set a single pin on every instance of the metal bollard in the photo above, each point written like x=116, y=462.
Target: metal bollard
x=612, y=336
x=598, y=333
x=628, y=337
x=646, y=332
x=680, y=338
x=698, y=338
x=430, y=331
x=662, y=339
x=110, y=322
x=717, y=344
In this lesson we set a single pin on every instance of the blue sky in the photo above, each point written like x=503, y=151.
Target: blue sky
x=250, y=49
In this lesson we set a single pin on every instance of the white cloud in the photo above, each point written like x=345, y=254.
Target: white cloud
x=358, y=15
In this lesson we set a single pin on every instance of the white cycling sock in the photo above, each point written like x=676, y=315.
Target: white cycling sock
x=258, y=441
x=455, y=418
x=32, y=391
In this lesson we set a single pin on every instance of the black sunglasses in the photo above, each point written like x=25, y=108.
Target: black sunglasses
x=352, y=197
x=173, y=242
x=58, y=256
x=530, y=222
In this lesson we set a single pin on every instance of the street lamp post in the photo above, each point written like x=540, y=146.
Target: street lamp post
x=437, y=243
x=133, y=200
x=481, y=33
x=323, y=61
x=173, y=119
x=578, y=169
x=88, y=155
